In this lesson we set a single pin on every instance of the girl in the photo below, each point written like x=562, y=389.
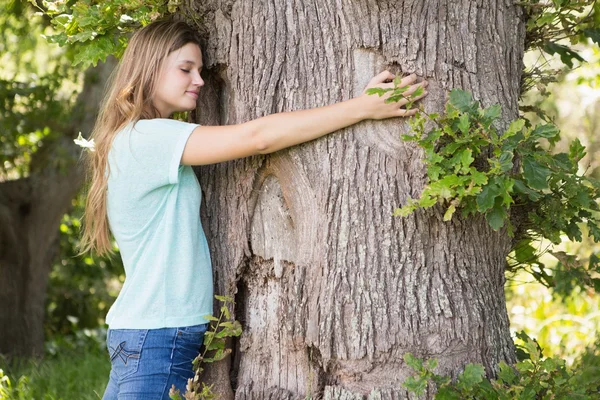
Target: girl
x=144, y=189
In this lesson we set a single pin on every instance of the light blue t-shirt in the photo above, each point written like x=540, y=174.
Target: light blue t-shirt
x=153, y=207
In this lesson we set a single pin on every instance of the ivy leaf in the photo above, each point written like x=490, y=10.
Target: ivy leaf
x=535, y=174
x=463, y=101
x=566, y=54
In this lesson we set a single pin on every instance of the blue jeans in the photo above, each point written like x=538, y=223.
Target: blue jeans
x=145, y=363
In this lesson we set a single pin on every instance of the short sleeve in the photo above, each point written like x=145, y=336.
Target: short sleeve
x=159, y=145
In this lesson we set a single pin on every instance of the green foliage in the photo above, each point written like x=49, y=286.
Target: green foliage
x=34, y=97
x=557, y=27
x=396, y=93
x=81, y=288
x=215, y=342
x=80, y=373
x=100, y=28
x=474, y=168
x=532, y=377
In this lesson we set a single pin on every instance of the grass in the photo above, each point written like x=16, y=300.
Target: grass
x=71, y=374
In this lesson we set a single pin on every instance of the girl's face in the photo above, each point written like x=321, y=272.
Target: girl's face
x=179, y=81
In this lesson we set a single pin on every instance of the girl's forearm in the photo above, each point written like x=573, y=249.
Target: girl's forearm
x=278, y=131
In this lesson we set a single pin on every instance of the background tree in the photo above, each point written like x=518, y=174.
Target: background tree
x=39, y=175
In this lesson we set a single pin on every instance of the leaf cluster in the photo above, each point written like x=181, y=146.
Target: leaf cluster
x=396, y=93
x=100, y=28
x=556, y=27
x=532, y=377
x=215, y=342
x=477, y=169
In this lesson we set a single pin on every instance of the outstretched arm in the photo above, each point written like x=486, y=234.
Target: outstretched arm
x=212, y=144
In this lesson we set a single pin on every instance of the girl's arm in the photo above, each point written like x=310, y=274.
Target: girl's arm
x=212, y=144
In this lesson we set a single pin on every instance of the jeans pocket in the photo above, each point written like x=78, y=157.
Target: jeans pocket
x=187, y=347
x=125, y=350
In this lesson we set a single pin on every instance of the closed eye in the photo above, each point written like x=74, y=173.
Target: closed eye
x=187, y=71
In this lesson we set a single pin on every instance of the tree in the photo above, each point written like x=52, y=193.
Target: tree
x=39, y=185
x=330, y=288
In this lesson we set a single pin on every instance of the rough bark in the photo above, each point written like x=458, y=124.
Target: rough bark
x=31, y=209
x=331, y=289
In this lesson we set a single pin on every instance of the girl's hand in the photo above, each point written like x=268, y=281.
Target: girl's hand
x=375, y=106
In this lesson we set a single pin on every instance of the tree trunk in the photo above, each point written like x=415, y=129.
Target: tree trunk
x=331, y=289
x=31, y=209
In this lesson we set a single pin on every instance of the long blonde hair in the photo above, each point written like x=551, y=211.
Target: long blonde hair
x=128, y=99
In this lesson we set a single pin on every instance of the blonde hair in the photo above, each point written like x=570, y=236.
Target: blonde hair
x=128, y=99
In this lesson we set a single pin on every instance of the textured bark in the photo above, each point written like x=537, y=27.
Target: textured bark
x=30, y=212
x=331, y=289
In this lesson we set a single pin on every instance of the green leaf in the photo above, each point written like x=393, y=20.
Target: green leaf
x=515, y=127
x=492, y=112
x=566, y=54
x=413, y=362
x=449, y=212
x=507, y=373
x=464, y=123
x=533, y=349
x=224, y=299
x=593, y=34
x=520, y=187
x=547, y=131
x=506, y=161
x=95, y=50
x=479, y=178
x=415, y=385
x=496, y=217
x=535, y=174
x=466, y=159
x=487, y=197
x=576, y=150
x=525, y=252
x=463, y=101
x=377, y=90
x=472, y=375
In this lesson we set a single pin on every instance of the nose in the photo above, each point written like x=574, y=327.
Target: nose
x=198, y=81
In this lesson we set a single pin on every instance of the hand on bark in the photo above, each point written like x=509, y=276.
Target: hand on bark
x=375, y=105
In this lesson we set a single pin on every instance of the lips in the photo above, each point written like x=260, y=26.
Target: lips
x=193, y=94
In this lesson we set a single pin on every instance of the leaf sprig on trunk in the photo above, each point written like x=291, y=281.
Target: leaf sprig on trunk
x=474, y=168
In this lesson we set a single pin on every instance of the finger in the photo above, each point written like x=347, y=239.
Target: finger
x=419, y=97
x=407, y=97
x=408, y=80
x=413, y=88
x=406, y=113
x=381, y=77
